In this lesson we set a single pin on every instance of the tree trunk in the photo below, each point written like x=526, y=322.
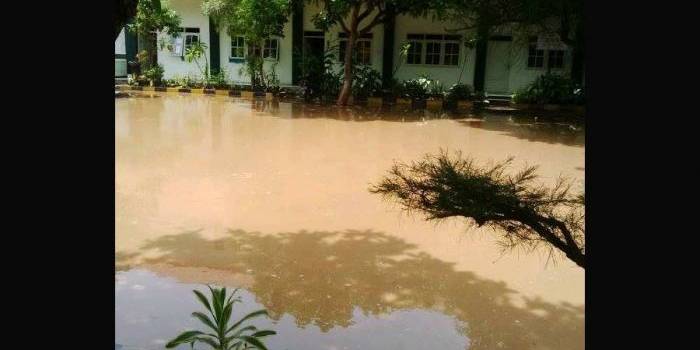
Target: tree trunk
x=347, y=69
x=346, y=90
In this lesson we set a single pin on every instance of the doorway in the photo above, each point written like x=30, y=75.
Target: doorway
x=498, y=65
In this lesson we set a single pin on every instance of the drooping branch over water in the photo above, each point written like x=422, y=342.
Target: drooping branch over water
x=524, y=212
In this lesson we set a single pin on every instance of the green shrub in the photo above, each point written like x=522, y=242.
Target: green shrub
x=318, y=78
x=436, y=89
x=271, y=81
x=522, y=96
x=155, y=74
x=367, y=82
x=550, y=89
x=459, y=92
x=416, y=89
x=219, y=80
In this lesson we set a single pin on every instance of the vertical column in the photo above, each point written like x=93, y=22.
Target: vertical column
x=297, y=40
x=480, y=61
x=388, y=48
x=131, y=46
x=214, y=51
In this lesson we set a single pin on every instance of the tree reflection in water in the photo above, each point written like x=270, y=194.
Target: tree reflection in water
x=320, y=277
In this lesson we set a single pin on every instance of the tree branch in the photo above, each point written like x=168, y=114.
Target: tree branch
x=379, y=18
x=342, y=25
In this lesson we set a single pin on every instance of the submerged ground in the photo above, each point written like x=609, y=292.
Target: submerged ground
x=272, y=198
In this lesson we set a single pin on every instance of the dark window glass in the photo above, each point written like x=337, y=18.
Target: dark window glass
x=535, y=56
x=270, y=48
x=238, y=47
x=364, y=52
x=413, y=56
x=556, y=59
x=432, y=53
x=451, y=54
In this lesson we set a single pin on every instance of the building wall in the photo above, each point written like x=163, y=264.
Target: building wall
x=447, y=75
x=191, y=13
x=518, y=75
x=521, y=75
x=120, y=44
x=283, y=67
x=119, y=53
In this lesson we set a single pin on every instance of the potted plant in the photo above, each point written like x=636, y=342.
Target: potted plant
x=367, y=85
x=154, y=76
x=247, y=91
x=459, y=96
x=172, y=85
x=436, y=93
x=522, y=99
x=417, y=91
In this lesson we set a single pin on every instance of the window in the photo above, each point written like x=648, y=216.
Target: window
x=451, y=54
x=535, y=56
x=271, y=49
x=184, y=41
x=432, y=52
x=363, y=48
x=439, y=49
x=415, y=51
x=555, y=59
x=364, y=51
x=191, y=37
x=238, y=47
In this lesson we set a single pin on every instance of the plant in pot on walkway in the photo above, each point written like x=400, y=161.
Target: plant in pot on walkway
x=367, y=85
x=459, y=97
x=417, y=91
x=436, y=94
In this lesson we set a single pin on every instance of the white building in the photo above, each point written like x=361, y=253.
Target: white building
x=507, y=63
x=120, y=55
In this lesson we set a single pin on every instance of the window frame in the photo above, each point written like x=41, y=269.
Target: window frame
x=343, y=42
x=419, y=53
x=184, y=33
x=445, y=54
x=268, y=49
x=243, y=48
x=532, y=45
x=441, y=40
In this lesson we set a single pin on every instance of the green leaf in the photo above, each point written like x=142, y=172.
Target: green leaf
x=211, y=342
x=254, y=342
x=202, y=299
x=216, y=304
x=246, y=317
x=240, y=331
x=263, y=333
x=205, y=319
x=183, y=338
x=226, y=316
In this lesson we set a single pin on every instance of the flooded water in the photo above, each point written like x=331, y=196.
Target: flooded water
x=272, y=198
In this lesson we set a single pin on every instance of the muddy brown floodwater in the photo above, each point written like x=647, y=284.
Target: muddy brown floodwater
x=272, y=198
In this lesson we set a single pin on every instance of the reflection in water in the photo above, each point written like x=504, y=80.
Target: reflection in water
x=526, y=125
x=212, y=163
x=152, y=309
x=321, y=277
